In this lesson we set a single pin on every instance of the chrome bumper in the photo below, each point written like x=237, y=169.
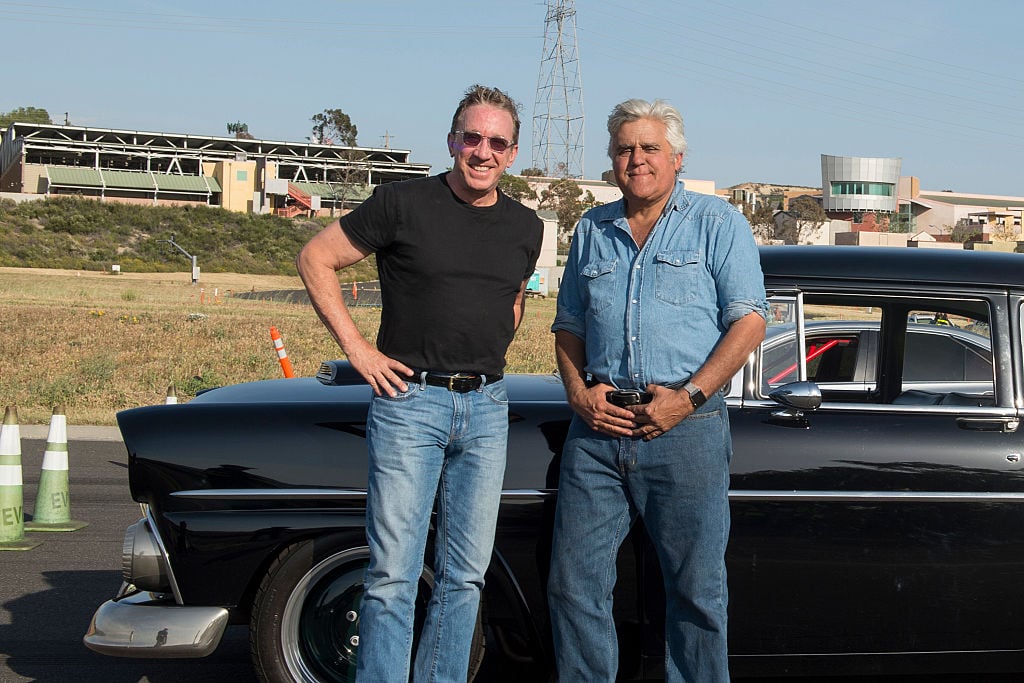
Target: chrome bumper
x=144, y=624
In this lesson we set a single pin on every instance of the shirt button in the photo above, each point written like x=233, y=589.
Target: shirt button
x=632, y=339
x=634, y=301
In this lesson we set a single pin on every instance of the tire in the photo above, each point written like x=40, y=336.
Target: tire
x=304, y=626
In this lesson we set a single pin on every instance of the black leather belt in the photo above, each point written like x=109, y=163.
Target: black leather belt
x=459, y=382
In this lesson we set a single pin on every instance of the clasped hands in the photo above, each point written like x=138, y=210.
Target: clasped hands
x=645, y=421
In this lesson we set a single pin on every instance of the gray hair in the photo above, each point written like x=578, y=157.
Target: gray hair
x=659, y=110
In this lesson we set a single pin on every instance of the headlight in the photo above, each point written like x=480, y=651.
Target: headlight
x=142, y=563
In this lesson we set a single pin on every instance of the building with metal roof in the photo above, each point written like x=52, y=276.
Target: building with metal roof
x=855, y=185
x=249, y=175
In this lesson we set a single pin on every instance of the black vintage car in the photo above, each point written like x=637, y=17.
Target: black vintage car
x=877, y=495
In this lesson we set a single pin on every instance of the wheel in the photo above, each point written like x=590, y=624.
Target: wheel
x=305, y=619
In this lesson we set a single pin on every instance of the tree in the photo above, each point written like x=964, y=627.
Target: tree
x=762, y=221
x=334, y=127
x=965, y=232
x=808, y=209
x=516, y=187
x=809, y=217
x=900, y=222
x=1004, y=232
x=532, y=172
x=568, y=201
x=240, y=130
x=24, y=115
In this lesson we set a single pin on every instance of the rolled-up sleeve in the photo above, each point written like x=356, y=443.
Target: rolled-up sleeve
x=740, y=309
x=738, y=270
x=571, y=312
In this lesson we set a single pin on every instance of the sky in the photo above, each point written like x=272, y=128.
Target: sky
x=764, y=88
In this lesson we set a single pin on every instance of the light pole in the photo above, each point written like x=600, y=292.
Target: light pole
x=195, y=268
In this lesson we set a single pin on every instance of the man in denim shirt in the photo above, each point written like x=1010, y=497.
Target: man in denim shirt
x=661, y=304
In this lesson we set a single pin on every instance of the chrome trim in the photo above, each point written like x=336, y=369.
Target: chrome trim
x=742, y=495
x=881, y=496
x=153, y=529
x=528, y=493
x=973, y=411
x=319, y=494
x=143, y=625
x=270, y=494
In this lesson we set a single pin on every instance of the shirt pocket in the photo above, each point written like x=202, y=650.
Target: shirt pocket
x=598, y=279
x=676, y=276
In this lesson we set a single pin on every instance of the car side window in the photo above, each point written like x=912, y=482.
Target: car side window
x=830, y=358
x=948, y=358
x=883, y=349
x=839, y=343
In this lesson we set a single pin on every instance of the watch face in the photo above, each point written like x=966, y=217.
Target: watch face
x=697, y=396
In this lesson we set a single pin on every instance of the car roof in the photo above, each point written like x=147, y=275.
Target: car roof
x=893, y=264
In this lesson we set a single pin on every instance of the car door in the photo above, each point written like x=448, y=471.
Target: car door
x=889, y=519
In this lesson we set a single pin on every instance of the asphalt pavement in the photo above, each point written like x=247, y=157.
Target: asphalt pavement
x=48, y=594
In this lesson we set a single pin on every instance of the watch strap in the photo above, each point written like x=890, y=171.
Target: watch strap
x=696, y=394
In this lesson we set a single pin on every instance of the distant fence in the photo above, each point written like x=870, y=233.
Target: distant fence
x=355, y=294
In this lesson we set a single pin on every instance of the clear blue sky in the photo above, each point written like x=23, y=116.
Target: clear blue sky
x=764, y=88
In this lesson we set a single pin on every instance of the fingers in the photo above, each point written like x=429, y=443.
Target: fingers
x=612, y=420
x=393, y=377
x=648, y=432
x=384, y=375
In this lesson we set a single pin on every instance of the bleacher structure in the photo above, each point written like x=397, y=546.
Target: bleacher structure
x=259, y=176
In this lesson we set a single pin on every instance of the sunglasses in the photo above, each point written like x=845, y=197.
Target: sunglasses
x=498, y=145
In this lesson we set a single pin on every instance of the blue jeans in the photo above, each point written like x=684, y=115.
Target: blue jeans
x=429, y=443
x=678, y=484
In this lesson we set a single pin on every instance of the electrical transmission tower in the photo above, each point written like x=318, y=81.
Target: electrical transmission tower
x=558, y=110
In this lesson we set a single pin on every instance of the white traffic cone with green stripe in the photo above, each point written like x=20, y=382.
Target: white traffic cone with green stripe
x=53, y=503
x=12, y=510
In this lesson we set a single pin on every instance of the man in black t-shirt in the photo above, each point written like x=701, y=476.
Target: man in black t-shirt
x=454, y=255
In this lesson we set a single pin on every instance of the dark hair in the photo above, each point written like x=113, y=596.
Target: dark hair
x=481, y=94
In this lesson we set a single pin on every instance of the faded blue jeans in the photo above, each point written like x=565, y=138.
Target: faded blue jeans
x=678, y=484
x=429, y=443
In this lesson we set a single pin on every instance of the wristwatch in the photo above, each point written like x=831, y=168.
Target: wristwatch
x=697, y=397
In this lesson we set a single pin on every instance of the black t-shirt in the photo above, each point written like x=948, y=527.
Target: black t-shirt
x=449, y=272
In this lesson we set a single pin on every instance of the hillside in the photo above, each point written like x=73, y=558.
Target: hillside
x=85, y=234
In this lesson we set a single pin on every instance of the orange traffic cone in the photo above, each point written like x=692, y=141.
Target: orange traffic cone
x=12, y=511
x=53, y=504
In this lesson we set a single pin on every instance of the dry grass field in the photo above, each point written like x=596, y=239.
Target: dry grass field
x=96, y=343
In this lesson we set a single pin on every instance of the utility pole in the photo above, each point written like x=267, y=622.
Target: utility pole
x=558, y=108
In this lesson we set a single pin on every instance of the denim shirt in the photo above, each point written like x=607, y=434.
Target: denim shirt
x=653, y=315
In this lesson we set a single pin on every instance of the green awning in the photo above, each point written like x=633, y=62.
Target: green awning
x=67, y=176
x=167, y=182
x=126, y=180
x=353, y=193
x=74, y=177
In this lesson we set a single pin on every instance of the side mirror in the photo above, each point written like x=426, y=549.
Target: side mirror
x=797, y=396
